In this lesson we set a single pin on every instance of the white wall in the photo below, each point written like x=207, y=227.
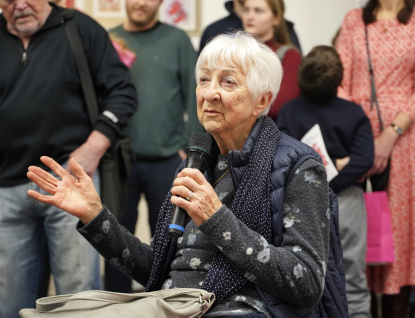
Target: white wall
x=316, y=21
x=210, y=11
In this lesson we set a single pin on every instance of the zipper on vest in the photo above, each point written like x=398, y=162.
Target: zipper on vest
x=24, y=58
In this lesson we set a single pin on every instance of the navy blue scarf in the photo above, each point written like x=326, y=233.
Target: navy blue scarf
x=251, y=205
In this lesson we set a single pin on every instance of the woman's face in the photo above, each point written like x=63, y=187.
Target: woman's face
x=258, y=19
x=224, y=102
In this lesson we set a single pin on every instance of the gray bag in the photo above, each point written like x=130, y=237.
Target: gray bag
x=168, y=303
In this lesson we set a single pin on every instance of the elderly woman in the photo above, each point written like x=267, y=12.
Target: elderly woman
x=259, y=226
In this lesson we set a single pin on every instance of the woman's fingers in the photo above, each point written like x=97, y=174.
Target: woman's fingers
x=40, y=197
x=44, y=175
x=190, y=178
x=182, y=191
x=195, y=174
x=382, y=165
x=186, y=182
x=379, y=165
x=54, y=166
x=41, y=182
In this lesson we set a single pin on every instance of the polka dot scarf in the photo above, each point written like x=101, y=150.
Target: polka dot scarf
x=251, y=205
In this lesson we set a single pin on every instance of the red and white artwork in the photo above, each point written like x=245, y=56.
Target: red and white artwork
x=180, y=13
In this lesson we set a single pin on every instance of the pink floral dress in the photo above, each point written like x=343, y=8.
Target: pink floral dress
x=392, y=50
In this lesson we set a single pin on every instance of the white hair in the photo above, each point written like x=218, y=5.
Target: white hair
x=259, y=63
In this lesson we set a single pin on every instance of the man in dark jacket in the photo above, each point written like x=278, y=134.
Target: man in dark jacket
x=44, y=113
x=233, y=22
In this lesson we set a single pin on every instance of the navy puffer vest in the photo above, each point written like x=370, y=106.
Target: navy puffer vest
x=290, y=154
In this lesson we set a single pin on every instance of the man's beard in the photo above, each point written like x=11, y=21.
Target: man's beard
x=142, y=23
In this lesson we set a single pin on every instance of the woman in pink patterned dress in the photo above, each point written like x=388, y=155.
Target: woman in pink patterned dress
x=391, y=34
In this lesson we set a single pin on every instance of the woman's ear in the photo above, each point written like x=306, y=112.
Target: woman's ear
x=263, y=102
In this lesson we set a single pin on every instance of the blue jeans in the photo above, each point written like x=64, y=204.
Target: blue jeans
x=35, y=239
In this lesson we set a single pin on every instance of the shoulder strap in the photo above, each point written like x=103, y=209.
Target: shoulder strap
x=83, y=69
x=281, y=51
x=373, y=95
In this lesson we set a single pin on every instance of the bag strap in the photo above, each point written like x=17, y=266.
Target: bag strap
x=281, y=51
x=52, y=302
x=373, y=96
x=368, y=185
x=83, y=70
x=46, y=304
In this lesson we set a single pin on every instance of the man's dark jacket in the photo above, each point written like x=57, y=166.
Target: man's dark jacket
x=42, y=108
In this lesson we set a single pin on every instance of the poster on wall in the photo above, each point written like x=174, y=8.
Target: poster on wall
x=183, y=14
x=65, y=3
x=109, y=8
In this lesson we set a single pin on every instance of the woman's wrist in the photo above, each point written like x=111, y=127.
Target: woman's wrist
x=387, y=139
x=397, y=129
x=401, y=123
x=391, y=134
x=92, y=214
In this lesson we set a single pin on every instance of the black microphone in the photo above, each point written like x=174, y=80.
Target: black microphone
x=197, y=150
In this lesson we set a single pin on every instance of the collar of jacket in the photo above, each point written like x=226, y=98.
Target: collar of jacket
x=238, y=159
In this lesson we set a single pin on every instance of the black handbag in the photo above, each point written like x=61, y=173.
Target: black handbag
x=379, y=181
x=115, y=166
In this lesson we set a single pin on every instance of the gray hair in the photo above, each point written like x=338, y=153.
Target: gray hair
x=260, y=64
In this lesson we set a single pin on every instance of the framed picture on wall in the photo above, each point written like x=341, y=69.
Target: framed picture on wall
x=184, y=14
x=109, y=8
x=64, y=3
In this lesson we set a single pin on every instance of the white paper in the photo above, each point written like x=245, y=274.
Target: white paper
x=314, y=139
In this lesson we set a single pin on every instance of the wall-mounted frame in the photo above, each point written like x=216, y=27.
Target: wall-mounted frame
x=109, y=8
x=108, y=13
x=184, y=14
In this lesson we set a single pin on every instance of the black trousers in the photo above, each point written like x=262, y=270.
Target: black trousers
x=153, y=179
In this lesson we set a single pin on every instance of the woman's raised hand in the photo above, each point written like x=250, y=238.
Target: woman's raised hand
x=73, y=194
